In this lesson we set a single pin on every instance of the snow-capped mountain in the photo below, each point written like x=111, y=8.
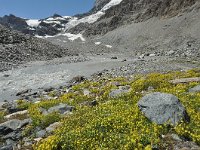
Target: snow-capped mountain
x=48, y=26
x=56, y=24
x=105, y=16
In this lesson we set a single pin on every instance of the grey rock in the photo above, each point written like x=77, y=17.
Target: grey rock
x=170, y=53
x=176, y=137
x=41, y=134
x=6, y=75
x=86, y=92
x=10, y=142
x=163, y=108
x=152, y=55
x=61, y=108
x=13, y=125
x=48, y=89
x=27, y=141
x=11, y=107
x=52, y=127
x=23, y=92
x=89, y=103
x=43, y=111
x=195, y=89
x=2, y=105
x=77, y=79
x=127, y=87
x=7, y=147
x=141, y=56
x=5, y=130
x=15, y=135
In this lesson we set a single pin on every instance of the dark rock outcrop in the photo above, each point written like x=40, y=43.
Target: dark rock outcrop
x=100, y=3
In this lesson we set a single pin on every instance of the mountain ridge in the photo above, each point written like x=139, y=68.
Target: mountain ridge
x=122, y=13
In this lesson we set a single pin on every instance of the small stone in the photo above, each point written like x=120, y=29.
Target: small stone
x=171, y=52
x=89, y=103
x=6, y=75
x=141, y=56
x=23, y=92
x=37, y=139
x=61, y=108
x=2, y=104
x=152, y=55
x=176, y=137
x=114, y=57
x=48, y=89
x=86, y=92
x=10, y=142
x=77, y=79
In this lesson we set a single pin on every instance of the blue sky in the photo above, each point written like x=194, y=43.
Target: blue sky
x=36, y=9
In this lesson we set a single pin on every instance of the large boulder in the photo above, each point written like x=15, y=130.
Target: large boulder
x=12, y=125
x=163, y=108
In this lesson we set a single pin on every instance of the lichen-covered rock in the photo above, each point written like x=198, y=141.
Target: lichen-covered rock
x=162, y=108
x=117, y=92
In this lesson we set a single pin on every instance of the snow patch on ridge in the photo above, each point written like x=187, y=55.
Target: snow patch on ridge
x=91, y=18
x=33, y=22
x=108, y=46
x=97, y=43
x=111, y=4
x=70, y=36
x=73, y=37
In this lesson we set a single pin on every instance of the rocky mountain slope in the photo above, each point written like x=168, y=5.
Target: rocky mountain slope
x=129, y=11
x=17, y=48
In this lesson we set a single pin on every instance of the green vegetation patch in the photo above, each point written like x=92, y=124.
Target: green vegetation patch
x=117, y=123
